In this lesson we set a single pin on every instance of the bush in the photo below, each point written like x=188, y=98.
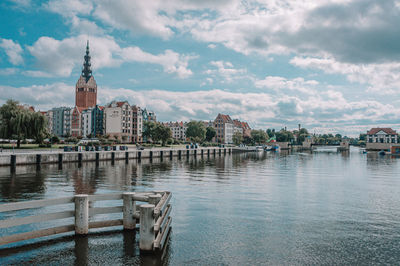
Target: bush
x=45, y=145
x=54, y=139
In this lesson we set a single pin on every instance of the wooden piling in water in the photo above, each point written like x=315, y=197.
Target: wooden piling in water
x=81, y=214
x=147, y=234
x=13, y=160
x=129, y=209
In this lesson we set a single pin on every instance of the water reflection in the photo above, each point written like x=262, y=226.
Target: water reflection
x=323, y=207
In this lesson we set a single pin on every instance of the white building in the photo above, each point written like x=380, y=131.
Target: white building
x=381, y=135
x=178, y=130
x=87, y=122
x=137, y=124
x=224, y=128
x=118, y=121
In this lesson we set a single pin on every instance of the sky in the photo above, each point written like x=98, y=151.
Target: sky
x=332, y=66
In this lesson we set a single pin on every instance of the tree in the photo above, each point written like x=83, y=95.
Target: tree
x=148, y=130
x=38, y=127
x=284, y=136
x=160, y=132
x=210, y=133
x=18, y=123
x=237, y=138
x=259, y=136
x=196, y=131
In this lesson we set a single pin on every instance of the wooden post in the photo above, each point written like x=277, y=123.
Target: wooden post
x=230, y=150
x=219, y=152
x=13, y=160
x=195, y=153
x=154, y=199
x=126, y=157
x=60, y=158
x=161, y=154
x=215, y=151
x=97, y=156
x=170, y=154
x=224, y=151
x=81, y=214
x=208, y=152
x=112, y=156
x=147, y=235
x=202, y=152
x=179, y=154
x=80, y=157
x=151, y=154
x=38, y=159
x=139, y=155
x=187, y=153
x=129, y=210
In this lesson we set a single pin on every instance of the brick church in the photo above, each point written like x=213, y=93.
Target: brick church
x=85, y=95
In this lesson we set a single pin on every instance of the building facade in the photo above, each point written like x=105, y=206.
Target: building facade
x=118, y=121
x=86, y=87
x=178, y=130
x=87, y=123
x=137, y=124
x=382, y=135
x=242, y=127
x=61, y=118
x=224, y=128
x=97, y=122
x=76, y=121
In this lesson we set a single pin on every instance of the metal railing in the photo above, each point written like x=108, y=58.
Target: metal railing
x=154, y=219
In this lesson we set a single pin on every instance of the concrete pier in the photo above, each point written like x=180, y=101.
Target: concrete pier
x=38, y=157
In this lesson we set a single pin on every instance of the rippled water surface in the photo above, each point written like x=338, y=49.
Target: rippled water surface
x=274, y=208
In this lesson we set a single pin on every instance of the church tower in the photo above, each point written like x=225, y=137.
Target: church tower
x=86, y=87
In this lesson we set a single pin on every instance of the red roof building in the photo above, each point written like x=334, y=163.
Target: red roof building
x=382, y=135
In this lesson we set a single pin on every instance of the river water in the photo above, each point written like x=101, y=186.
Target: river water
x=242, y=209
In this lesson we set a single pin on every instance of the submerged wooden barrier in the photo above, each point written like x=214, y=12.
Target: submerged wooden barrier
x=86, y=156
x=153, y=217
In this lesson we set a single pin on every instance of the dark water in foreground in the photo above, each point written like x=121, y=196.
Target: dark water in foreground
x=299, y=208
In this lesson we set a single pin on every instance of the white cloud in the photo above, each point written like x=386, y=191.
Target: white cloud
x=43, y=97
x=8, y=71
x=171, y=61
x=226, y=70
x=105, y=52
x=13, y=51
x=383, y=78
x=329, y=109
x=281, y=83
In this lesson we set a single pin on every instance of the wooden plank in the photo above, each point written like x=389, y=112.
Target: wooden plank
x=100, y=224
x=162, y=204
x=164, y=222
x=165, y=233
x=109, y=196
x=15, y=206
x=141, y=198
x=161, y=237
x=103, y=210
x=36, y=218
x=161, y=221
x=36, y=234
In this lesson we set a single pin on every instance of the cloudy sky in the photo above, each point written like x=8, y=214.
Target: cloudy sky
x=331, y=65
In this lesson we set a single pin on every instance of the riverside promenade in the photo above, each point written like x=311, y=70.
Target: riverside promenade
x=45, y=157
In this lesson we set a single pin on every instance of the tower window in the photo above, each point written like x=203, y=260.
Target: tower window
x=80, y=89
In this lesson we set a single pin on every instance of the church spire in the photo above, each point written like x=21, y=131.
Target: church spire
x=86, y=71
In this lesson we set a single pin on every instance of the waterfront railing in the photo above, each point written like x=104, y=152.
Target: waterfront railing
x=153, y=216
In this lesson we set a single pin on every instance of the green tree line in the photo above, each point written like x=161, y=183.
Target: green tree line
x=19, y=124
